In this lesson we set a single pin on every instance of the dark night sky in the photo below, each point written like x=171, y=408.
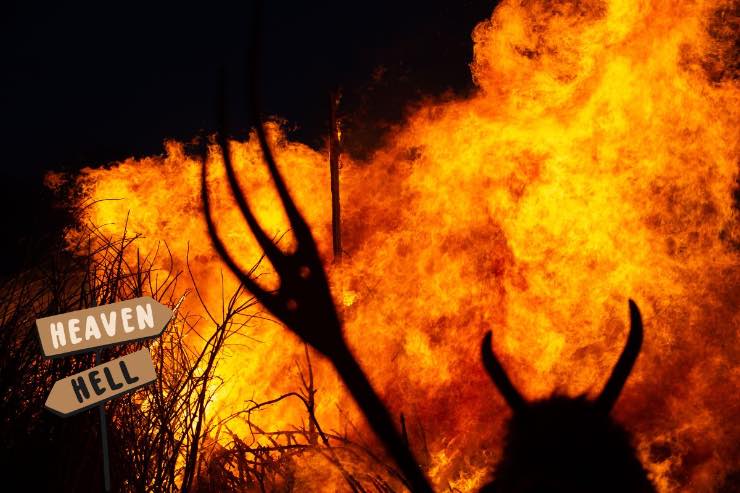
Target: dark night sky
x=98, y=81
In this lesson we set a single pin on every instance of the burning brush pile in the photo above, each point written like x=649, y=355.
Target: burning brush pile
x=597, y=161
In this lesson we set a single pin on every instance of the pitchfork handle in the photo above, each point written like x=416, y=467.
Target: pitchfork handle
x=380, y=420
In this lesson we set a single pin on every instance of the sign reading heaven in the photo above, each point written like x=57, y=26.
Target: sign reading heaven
x=84, y=330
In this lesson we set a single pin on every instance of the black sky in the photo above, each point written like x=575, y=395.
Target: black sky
x=95, y=82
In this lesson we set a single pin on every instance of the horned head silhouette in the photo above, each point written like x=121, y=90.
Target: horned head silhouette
x=568, y=444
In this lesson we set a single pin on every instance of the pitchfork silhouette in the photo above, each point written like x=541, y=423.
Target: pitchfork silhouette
x=304, y=304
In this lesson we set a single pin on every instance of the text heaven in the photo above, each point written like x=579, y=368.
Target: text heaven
x=123, y=321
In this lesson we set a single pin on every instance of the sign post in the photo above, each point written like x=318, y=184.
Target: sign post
x=103, y=435
x=92, y=329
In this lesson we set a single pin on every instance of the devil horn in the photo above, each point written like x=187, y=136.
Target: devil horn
x=623, y=368
x=500, y=378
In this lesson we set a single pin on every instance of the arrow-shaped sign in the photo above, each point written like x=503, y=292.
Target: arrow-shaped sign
x=103, y=382
x=83, y=330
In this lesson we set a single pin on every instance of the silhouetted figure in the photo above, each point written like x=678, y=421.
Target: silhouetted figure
x=565, y=444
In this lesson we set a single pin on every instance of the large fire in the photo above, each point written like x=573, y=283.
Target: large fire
x=597, y=161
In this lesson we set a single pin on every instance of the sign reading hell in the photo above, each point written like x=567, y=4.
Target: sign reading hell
x=104, y=325
x=91, y=387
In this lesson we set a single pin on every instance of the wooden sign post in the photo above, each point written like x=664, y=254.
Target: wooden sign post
x=92, y=329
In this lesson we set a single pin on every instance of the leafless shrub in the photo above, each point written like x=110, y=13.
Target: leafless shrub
x=161, y=438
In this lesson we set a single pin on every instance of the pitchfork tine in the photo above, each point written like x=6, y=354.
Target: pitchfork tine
x=296, y=219
x=271, y=250
x=263, y=296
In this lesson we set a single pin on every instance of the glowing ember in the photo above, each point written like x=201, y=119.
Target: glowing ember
x=597, y=161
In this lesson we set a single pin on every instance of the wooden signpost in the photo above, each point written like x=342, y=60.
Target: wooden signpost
x=92, y=329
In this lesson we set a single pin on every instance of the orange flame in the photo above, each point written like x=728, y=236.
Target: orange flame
x=597, y=161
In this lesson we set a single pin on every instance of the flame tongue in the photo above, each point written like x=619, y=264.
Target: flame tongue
x=597, y=161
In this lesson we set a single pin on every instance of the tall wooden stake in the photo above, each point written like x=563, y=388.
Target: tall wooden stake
x=103, y=420
x=334, y=152
x=101, y=413
x=103, y=436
